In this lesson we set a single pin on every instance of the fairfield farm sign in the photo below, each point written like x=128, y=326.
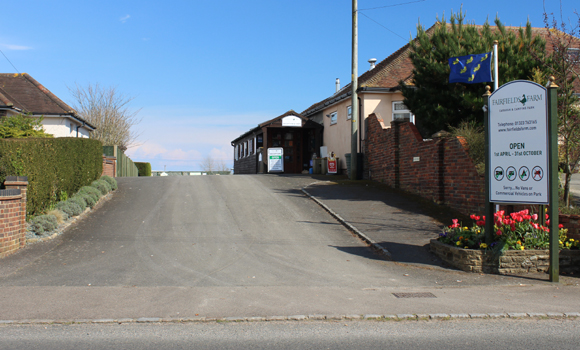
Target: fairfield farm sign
x=518, y=139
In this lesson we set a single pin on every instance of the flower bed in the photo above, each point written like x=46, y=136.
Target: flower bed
x=508, y=263
x=520, y=245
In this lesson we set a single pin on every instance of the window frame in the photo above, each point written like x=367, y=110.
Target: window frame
x=333, y=118
x=401, y=111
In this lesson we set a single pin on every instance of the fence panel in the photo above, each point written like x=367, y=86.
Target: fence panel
x=125, y=166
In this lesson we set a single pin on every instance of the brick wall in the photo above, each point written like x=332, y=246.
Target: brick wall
x=109, y=166
x=13, y=215
x=246, y=165
x=438, y=169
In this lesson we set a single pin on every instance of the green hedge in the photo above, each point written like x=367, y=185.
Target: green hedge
x=144, y=168
x=53, y=167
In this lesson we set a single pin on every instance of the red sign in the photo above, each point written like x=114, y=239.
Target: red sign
x=332, y=166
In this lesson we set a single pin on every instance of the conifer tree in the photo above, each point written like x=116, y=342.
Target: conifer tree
x=438, y=104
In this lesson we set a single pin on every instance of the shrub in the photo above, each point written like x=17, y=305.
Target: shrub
x=91, y=191
x=143, y=168
x=473, y=134
x=80, y=201
x=59, y=215
x=69, y=207
x=102, y=186
x=112, y=182
x=53, y=166
x=90, y=200
x=42, y=224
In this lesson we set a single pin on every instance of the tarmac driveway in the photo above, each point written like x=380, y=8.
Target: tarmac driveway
x=218, y=246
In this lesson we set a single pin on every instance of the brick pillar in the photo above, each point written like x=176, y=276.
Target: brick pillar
x=397, y=151
x=20, y=183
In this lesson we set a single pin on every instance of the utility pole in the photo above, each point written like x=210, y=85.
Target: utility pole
x=354, y=104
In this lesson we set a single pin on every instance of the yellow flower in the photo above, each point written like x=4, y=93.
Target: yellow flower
x=571, y=239
x=465, y=228
x=483, y=245
x=466, y=247
x=458, y=243
x=522, y=247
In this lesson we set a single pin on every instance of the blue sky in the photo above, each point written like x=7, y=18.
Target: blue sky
x=204, y=72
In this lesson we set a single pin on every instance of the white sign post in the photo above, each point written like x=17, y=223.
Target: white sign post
x=276, y=160
x=518, y=144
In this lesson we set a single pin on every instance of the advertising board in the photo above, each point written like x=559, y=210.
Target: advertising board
x=518, y=143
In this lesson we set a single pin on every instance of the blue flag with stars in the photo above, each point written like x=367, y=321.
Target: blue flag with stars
x=470, y=69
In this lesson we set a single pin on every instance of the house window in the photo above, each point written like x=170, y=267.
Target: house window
x=573, y=54
x=349, y=113
x=333, y=118
x=251, y=146
x=237, y=152
x=402, y=113
x=71, y=127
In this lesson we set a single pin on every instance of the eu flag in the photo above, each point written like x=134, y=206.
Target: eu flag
x=470, y=69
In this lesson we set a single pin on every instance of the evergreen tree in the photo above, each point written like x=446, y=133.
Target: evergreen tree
x=438, y=104
x=20, y=126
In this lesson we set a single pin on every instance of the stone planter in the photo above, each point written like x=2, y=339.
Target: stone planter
x=509, y=262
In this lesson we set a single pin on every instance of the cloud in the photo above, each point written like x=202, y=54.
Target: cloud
x=17, y=47
x=151, y=150
x=124, y=18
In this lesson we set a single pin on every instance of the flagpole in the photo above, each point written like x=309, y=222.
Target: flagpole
x=495, y=87
x=495, y=68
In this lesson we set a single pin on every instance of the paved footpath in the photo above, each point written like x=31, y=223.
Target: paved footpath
x=413, y=284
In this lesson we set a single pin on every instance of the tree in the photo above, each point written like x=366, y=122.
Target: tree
x=108, y=110
x=207, y=164
x=21, y=126
x=563, y=63
x=439, y=104
x=210, y=165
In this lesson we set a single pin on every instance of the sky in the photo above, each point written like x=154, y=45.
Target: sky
x=204, y=72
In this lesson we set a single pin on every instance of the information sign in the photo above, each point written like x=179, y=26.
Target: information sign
x=518, y=143
x=275, y=160
x=292, y=121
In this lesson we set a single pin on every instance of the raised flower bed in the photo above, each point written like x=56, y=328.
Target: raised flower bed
x=520, y=246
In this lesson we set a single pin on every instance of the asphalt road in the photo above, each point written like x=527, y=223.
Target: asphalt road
x=208, y=231
x=227, y=246
x=472, y=334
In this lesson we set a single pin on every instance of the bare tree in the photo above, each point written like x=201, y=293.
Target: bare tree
x=208, y=164
x=564, y=64
x=107, y=109
x=221, y=166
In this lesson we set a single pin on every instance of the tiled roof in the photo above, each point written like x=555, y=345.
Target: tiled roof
x=397, y=67
x=23, y=93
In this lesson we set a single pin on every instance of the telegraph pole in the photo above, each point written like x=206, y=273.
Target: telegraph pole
x=354, y=104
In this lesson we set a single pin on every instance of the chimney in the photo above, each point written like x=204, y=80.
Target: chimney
x=372, y=62
x=337, y=84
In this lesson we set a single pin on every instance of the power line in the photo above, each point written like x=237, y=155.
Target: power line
x=383, y=26
x=9, y=62
x=382, y=7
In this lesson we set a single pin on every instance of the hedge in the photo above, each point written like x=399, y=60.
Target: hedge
x=53, y=166
x=144, y=168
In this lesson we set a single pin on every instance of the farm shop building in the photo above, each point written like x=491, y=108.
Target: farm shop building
x=297, y=136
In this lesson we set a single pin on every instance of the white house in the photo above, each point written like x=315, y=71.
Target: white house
x=21, y=94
